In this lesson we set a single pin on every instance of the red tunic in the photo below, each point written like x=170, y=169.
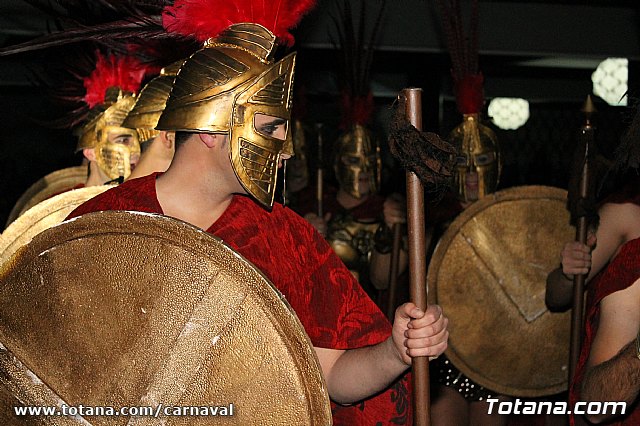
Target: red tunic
x=621, y=273
x=334, y=310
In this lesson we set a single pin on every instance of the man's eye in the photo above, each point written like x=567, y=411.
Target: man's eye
x=351, y=161
x=124, y=140
x=484, y=159
x=268, y=129
x=462, y=160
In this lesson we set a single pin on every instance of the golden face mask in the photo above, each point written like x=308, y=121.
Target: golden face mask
x=115, y=146
x=116, y=151
x=357, y=158
x=227, y=87
x=478, y=163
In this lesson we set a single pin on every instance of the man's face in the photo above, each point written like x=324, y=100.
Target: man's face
x=118, y=152
x=270, y=126
x=274, y=127
x=357, y=163
x=362, y=167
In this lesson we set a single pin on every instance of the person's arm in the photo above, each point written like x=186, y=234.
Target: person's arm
x=619, y=223
x=613, y=367
x=355, y=374
x=394, y=212
x=576, y=259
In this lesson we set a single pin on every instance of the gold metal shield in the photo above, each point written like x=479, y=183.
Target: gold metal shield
x=43, y=216
x=53, y=183
x=128, y=309
x=488, y=272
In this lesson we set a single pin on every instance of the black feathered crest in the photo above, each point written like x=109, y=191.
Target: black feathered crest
x=113, y=23
x=79, y=28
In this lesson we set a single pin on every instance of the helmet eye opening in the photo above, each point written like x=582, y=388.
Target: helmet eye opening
x=270, y=126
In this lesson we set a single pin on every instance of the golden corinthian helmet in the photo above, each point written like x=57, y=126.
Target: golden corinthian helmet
x=104, y=132
x=151, y=102
x=223, y=87
x=110, y=95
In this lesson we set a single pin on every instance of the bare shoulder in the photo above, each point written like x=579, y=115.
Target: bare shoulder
x=624, y=216
x=624, y=211
x=618, y=324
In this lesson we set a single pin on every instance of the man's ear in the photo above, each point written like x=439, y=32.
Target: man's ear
x=208, y=139
x=168, y=139
x=89, y=153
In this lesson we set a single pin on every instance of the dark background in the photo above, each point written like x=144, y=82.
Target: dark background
x=543, y=51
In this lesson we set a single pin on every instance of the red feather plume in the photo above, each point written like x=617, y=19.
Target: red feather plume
x=124, y=72
x=204, y=19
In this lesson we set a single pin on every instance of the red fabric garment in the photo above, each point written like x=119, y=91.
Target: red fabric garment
x=331, y=305
x=621, y=273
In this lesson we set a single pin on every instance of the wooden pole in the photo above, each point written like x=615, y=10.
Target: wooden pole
x=581, y=235
x=417, y=262
x=319, y=174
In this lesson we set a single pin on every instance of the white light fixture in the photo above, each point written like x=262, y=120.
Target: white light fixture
x=610, y=81
x=509, y=113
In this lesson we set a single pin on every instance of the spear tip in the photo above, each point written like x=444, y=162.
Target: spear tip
x=588, y=108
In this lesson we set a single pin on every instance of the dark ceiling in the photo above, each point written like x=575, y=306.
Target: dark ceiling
x=544, y=51
x=534, y=49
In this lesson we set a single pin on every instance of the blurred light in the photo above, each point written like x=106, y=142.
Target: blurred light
x=610, y=80
x=509, y=113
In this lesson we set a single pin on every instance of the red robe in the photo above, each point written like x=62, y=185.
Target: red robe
x=621, y=273
x=334, y=310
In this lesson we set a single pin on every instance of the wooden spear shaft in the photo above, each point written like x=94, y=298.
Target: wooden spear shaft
x=579, y=280
x=319, y=174
x=417, y=262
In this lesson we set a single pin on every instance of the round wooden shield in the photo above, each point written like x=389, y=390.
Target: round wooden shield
x=488, y=272
x=43, y=216
x=46, y=187
x=123, y=309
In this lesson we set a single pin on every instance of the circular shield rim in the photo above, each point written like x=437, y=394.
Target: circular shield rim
x=45, y=187
x=23, y=226
x=441, y=250
x=200, y=242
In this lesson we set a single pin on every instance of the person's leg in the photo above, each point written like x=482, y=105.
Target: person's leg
x=479, y=413
x=449, y=408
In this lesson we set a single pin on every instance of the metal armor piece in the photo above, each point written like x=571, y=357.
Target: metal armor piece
x=488, y=273
x=54, y=183
x=150, y=103
x=43, y=215
x=478, y=163
x=352, y=241
x=221, y=89
x=357, y=155
x=105, y=119
x=159, y=313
